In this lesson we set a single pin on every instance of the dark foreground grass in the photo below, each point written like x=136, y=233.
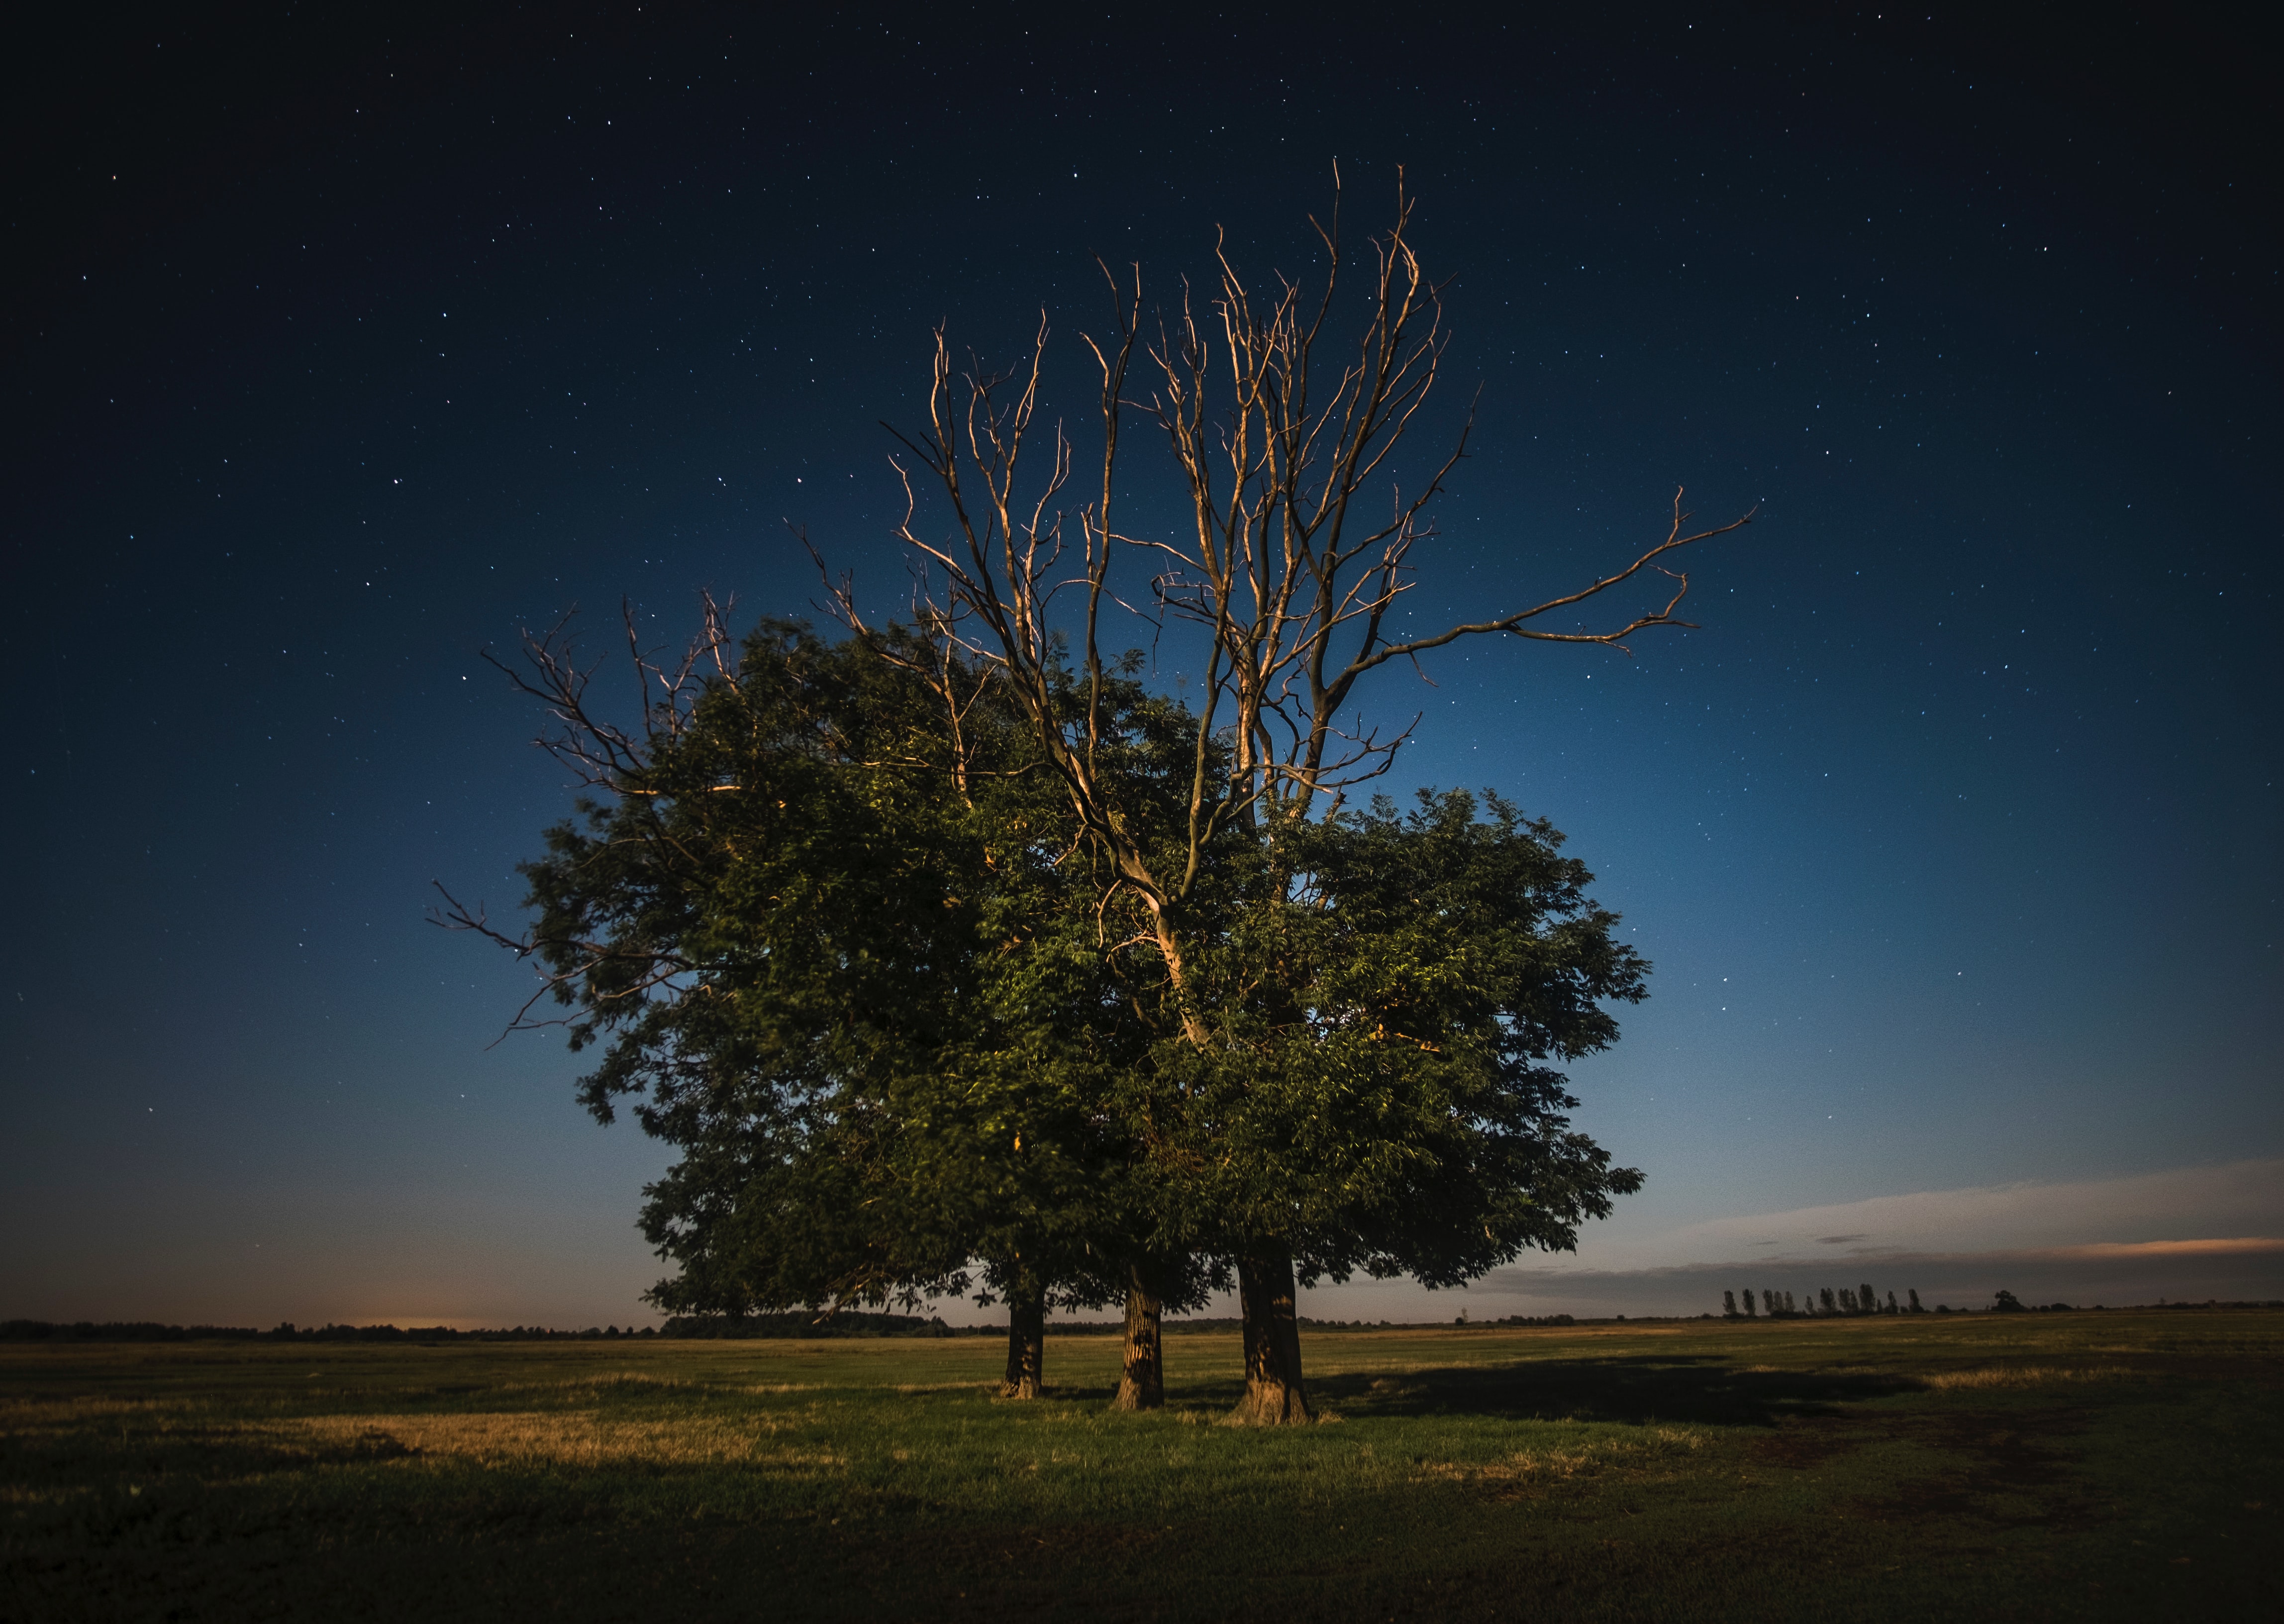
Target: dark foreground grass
x=2120, y=1465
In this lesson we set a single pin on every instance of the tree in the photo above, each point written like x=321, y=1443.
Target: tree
x=1728, y=1305
x=1379, y=1100
x=1280, y=585
x=1867, y=1299
x=1915, y=1307
x=827, y=948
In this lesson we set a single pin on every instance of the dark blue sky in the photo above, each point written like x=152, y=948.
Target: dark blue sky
x=333, y=358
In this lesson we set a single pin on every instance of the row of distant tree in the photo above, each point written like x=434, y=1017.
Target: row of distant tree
x=759, y=1326
x=1826, y=1304
x=752, y=1327
x=151, y=1331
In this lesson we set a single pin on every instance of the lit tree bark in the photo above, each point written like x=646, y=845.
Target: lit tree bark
x=1274, y=1392
x=1026, y=1335
x=1143, y=1384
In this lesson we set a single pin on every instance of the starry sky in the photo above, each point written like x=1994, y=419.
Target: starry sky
x=338, y=352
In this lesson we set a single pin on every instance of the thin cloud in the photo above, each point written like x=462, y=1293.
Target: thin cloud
x=2182, y=1234
x=2249, y=1247
x=2205, y=1269
x=2181, y=1206
x=2240, y=1246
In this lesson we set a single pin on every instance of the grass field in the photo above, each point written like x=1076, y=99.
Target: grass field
x=2118, y=1465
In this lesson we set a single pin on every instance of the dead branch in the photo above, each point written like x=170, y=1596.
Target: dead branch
x=1287, y=562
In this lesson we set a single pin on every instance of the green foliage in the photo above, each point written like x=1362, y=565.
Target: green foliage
x=836, y=957
x=1386, y=998
x=840, y=938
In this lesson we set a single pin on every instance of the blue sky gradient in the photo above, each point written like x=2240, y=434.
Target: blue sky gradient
x=344, y=351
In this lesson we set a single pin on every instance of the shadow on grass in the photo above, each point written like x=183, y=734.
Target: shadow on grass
x=1629, y=1388
x=1638, y=1388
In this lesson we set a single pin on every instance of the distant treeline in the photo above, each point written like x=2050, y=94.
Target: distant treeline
x=763, y=1327
x=121, y=1330
x=805, y=1326
x=1829, y=1304
x=1860, y=1299
x=851, y=1323
x=788, y=1327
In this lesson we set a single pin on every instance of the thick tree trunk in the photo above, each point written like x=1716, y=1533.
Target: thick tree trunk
x=1144, y=1384
x=1027, y=1335
x=1169, y=949
x=1274, y=1394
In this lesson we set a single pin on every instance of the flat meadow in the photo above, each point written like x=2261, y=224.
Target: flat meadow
x=2126, y=1464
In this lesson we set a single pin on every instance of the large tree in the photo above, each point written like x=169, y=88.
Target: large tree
x=1279, y=582
x=1390, y=997
x=953, y=943
x=833, y=933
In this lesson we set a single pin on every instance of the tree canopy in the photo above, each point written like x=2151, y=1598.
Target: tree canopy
x=1390, y=1002
x=953, y=945
x=846, y=959
x=851, y=964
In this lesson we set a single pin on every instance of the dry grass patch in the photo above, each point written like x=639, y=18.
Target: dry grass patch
x=521, y=1438
x=29, y=1416
x=1565, y=1463
x=2025, y=1376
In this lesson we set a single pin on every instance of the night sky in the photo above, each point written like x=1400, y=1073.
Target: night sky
x=335, y=358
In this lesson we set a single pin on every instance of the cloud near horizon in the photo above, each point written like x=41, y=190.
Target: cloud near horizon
x=2181, y=1206
x=2248, y=1248
x=2170, y=1249
x=2184, y=1234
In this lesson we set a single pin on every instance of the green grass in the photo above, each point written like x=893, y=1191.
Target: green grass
x=2118, y=1465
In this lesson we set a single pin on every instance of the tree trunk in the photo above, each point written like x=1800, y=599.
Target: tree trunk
x=1144, y=1384
x=1274, y=1396
x=1026, y=1335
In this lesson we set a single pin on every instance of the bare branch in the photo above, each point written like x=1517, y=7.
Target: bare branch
x=1280, y=450
x=1515, y=622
